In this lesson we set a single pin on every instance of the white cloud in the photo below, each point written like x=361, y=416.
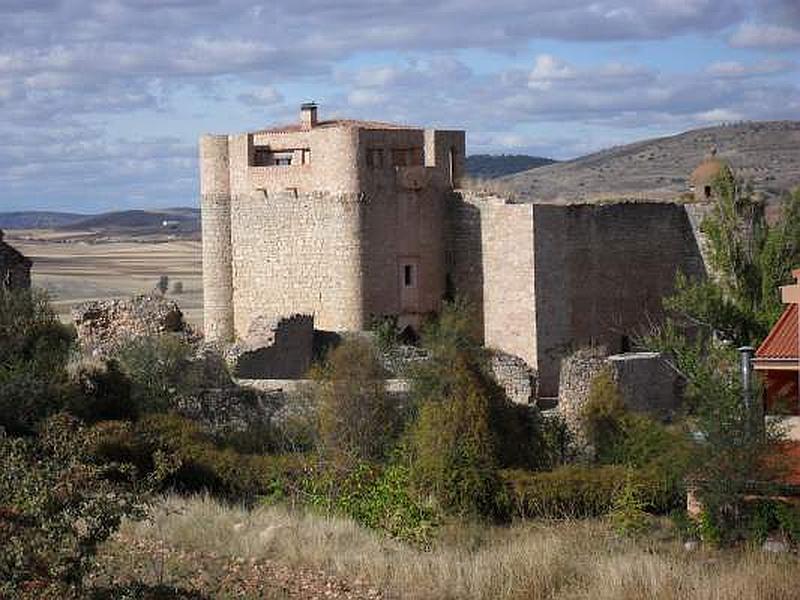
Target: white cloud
x=751, y=35
x=263, y=96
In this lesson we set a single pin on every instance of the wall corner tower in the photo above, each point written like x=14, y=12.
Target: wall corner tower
x=215, y=202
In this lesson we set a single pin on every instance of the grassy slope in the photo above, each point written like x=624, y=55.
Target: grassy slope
x=569, y=560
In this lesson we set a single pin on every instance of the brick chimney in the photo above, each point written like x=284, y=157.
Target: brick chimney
x=308, y=115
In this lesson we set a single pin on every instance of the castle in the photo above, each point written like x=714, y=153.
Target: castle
x=347, y=220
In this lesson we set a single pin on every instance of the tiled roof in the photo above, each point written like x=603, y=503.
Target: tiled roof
x=782, y=341
x=295, y=127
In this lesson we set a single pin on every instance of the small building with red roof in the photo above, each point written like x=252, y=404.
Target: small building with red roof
x=777, y=359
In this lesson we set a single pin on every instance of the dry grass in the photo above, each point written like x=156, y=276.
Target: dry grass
x=579, y=560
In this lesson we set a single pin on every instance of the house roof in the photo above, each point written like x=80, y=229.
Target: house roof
x=782, y=341
x=354, y=123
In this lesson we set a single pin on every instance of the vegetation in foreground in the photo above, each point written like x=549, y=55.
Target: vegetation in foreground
x=228, y=552
x=451, y=481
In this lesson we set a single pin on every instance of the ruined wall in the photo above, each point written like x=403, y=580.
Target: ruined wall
x=601, y=272
x=15, y=269
x=515, y=376
x=646, y=385
x=275, y=348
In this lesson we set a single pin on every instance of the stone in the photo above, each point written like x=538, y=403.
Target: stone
x=104, y=326
x=281, y=348
x=515, y=376
x=775, y=546
x=691, y=545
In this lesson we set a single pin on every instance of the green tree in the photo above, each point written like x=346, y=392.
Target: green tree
x=358, y=420
x=750, y=260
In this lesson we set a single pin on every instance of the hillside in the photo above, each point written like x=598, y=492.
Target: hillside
x=489, y=166
x=184, y=219
x=34, y=219
x=766, y=153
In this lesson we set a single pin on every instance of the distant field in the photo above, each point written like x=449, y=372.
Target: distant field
x=77, y=271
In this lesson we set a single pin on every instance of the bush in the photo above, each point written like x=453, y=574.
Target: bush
x=103, y=392
x=358, y=420
x=206, y=466
x=578, y=492
x=454, y=446
x=376, y=496
x=158, y=368
x=57, y=507
x=34, y=349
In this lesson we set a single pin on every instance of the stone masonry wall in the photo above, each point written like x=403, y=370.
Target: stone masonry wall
x=601, y=272
x=15, y=269
x=298, y=255
x=515, y=377
x=646, y=384
x=274, y=349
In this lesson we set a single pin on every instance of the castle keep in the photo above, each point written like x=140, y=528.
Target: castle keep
x=340, y=219
x=346, y=220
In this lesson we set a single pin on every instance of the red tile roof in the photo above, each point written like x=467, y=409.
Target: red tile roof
x=782, y=341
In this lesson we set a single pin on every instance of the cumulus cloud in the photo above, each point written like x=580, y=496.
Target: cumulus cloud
x=77, y=69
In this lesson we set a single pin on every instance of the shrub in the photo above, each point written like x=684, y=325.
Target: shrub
x=602, y=415
x=206, y=466
x=158, y=368
x=103, y=392
x=578, y=491
x=377, y=496
x=357, y=418
x=454, y=447
x=34, y=348
x=628, y=515
x=57, y=507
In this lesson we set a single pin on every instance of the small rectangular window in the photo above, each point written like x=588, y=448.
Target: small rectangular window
x=261, y=156
x=408, y=275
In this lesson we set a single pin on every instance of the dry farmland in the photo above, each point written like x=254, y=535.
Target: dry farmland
x=74, y=269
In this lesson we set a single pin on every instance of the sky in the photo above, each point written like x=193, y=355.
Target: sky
x=102, y=101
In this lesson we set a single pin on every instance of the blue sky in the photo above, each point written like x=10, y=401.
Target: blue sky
x=102, y=101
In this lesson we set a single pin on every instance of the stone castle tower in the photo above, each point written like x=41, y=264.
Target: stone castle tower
x=343, y=220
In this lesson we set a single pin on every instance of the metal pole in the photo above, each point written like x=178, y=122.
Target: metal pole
x=746, y=354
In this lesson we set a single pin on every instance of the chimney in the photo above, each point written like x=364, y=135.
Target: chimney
x=308, y=115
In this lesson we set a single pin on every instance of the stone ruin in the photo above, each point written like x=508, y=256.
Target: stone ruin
x=646, y=383
x=104, y=326
x=281, y=348
x=516, y=378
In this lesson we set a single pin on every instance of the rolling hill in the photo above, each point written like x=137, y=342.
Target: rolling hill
x=489, y=166
x=765, y=153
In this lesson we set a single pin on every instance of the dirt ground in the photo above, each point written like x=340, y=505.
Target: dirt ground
x=74, y=270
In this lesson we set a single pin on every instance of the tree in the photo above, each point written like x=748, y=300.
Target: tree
x=358, y=420
x=750, y=260
x=163, y=284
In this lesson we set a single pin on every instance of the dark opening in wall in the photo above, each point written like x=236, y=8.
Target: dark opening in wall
x=408, y=275
x=707, y=191
x=625, y=344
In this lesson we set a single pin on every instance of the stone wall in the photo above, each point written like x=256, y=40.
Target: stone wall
x=274, y=349
x=601, y=273
x=15, y=269
x=103, y=326
x=516, y=378
x=557, y=277
x=645, y=381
